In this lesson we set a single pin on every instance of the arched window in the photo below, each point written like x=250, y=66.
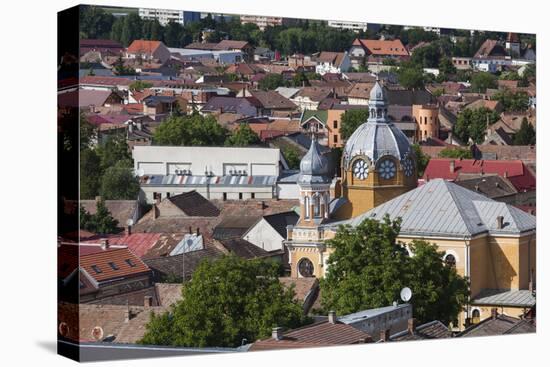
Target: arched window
x=317, y=206
x=305, y=268
x=450, y=260
x=475, y=316
x=307, y=207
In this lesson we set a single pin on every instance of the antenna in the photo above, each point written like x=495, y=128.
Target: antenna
x=406, y=294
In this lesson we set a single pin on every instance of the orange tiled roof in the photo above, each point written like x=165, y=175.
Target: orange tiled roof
x=117, y=256
x=143, y=46
x=383, y=47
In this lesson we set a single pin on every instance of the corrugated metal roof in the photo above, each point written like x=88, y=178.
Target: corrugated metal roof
x=443, y=208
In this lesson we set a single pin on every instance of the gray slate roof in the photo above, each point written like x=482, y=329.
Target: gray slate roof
x=497, y=297
x=442, y=208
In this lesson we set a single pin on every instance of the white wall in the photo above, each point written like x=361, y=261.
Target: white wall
x=288, y=190
x=164, y=160
x=264, y=236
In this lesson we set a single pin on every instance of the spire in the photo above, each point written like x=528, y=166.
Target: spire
x=313, y=166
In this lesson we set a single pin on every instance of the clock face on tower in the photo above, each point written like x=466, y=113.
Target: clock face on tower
x=360, y=169
x=305, y=268
x=408, y=167
x=387, y=169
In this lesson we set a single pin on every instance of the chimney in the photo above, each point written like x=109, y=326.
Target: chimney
x=411, y=326
x=506, y=174
x=104, y=244
x=277, y=333
x=198, y=231
x=155, y=211
x=500, y=222
x=494, y=313
x=332, y=317
x=261, y=205
x=190, y=230
x=157, y=200
x=128, y=230
x=130, y=127
x=139, y=125
x=452, y=166
x=127, y=315
x=385, y=335
x=476, y=187
x=148, y=301
x=97, y=199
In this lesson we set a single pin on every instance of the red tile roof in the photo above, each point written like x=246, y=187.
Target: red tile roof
x=519, y=175
x=383, y=47
x=119, y=257
x=139, y=243
x=144, y=46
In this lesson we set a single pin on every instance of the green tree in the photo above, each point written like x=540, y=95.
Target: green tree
x=113, y=151
x=369, y=267
x=90, y=174
x=472, y=124
x=88, y=133
x=243, y=136
x=482, y=80
x=351, y=120
x=411, y=77
x=227, y=301
x=131, y=29
x=446, y=66
x=192, y=130
x=456, y=153
x=422, y=159
x=119, y=183
x=439, y=293
x=95, y=22
x=526, y=134
x=292, y=157
x=100, y=222
x=427, y=56
x=140, y=85
x=516, y=102
x=271, y=82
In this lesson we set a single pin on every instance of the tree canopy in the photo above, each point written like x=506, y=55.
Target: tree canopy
x=292, y=157
x=119, y=182
x=242, y=136
x=512, y=101
x=101, y=222
x=351, y=120
x=472, y=123
x=456, y=153
x=526, y=134
x=192, y=130
x=369, y=267
x=422, y=159
x=271, y=82
x=228, y=301
x=482, y=80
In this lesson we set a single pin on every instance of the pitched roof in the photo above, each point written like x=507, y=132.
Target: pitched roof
x=316, y=94
x=499, y=297
x=490, y=48
x=126, y=263
x=234, y=226
x=280, y=221
x=318, y=334
x=383, y=47
x=231, y=44
x=242, y=248
x=443, y=208
x=138, y=46
x=491, y=186
x=430, y=330
x=499, y=325
x=121, y=210
x=515, y=170
x=272, y=100
x=334, y=58
x=225, y=104
x=360, y=90
x=321, y=115
x=194, y=204
x=88, y=97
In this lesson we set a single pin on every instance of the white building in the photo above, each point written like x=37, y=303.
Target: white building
x=270, y=231
x=223, y=57
x=215, y=172
x=373, y=321
x=333, y=62
x=353, y=25
x=165, y=16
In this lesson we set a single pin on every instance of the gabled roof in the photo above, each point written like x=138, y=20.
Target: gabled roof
x=504, y=298
x=499, y=325
x=491, y=186
x=231, y=44
x=88, y=97
x=319, y=115
x=334, y=58
x=194, y=204
x=98, y=266
x=271, y=99
x=139, y=46
x=226, y=104
x=280, y=221
x=430, y=330
x=242, y=248
x=442, y=208
x=515, y=170
x=383, y=47
x=319, y=334
x=490, y=48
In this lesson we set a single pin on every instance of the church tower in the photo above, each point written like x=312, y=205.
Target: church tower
x=378, y=162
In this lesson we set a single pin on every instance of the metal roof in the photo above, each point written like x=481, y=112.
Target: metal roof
x=190, y=242
x=183, y=180
x=442, y=208
x=499, y=297
x=366, y=314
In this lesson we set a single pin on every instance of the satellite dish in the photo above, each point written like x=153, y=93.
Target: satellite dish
x=406, y=294
x=140, y=172
x=130, y=222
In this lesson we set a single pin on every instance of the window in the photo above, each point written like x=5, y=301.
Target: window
x=317, y=206
x=307, y=208
x=96, y=269
x=475, y=316
x=240, y=195
x=167, y=194
x=253, y=195
x=305, y=268
x=130, y=263
x=450, y=260
x=113, y=266
x=336, y=138
x=335, y=124
x=224, y=196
